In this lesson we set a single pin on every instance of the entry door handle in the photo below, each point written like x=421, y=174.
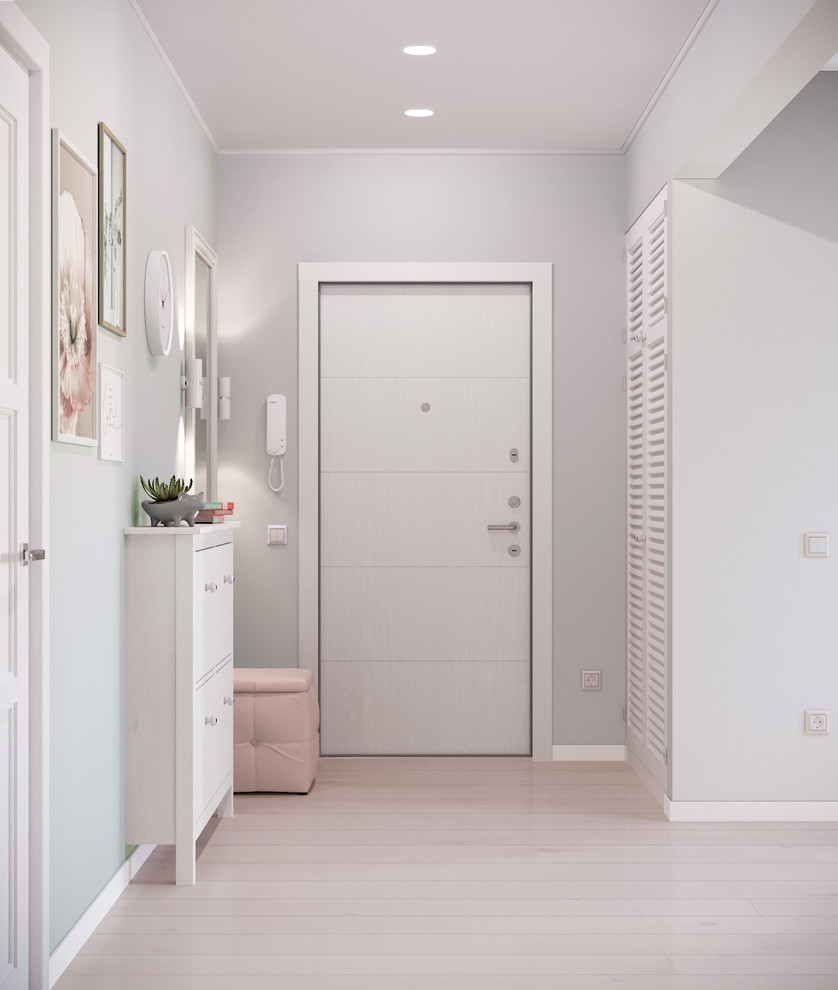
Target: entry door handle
x=512, y=527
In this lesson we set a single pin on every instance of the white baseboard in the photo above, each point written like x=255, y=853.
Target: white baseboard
x=589, y=754
x=70, y=946
x=750, y=811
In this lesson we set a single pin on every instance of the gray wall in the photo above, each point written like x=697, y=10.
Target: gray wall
x=754, y=408
x=103, y=67
x=275, y=211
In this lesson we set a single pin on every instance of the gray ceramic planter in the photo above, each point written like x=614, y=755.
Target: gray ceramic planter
x=171, y=513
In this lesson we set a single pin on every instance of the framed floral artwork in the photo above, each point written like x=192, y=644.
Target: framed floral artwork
x=111, y=232
x=74, y=294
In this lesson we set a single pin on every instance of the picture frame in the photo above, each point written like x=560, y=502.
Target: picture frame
x=74, y=294
x=111, y=413
x=112, y=238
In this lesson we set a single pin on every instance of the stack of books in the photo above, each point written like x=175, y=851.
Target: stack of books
x=215, y=512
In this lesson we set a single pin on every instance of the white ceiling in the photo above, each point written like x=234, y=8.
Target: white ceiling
x=558, y=75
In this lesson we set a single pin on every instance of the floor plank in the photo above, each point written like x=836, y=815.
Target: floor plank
x=476, y=874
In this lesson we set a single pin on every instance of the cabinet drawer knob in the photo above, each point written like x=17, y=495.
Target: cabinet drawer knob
x=229, y=579
x=211, y=720
x=229, y=700
x=211, y=587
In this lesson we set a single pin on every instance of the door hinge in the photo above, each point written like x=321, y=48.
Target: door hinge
x=625, y=335
x=625, y=384
x=625, y=255
x=666, y=756
x=624, y=713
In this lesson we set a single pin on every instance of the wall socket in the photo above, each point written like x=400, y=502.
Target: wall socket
x=815, y=723
x=591, y=680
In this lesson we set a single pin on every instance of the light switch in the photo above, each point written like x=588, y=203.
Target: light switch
x=816, y=544
x=277, y=535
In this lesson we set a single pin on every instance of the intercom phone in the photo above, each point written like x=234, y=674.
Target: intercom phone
x=277, y=442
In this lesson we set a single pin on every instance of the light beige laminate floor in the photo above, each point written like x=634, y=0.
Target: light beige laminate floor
x=476, y=874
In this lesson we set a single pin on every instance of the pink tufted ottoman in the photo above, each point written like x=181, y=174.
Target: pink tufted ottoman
x=276, y=721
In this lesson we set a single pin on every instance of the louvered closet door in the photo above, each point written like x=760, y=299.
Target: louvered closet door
x=424, y=611
x=646, y=492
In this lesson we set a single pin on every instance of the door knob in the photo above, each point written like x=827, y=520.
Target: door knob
x=512, y=527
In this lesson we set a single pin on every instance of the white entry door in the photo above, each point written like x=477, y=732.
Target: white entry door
x=424, y=447
x=14, y=522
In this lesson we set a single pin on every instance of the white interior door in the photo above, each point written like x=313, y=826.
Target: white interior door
x=14, y=522
x=424, y=444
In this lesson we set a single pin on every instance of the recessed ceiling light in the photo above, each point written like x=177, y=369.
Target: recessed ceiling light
x=418, y=113
x=419, y=50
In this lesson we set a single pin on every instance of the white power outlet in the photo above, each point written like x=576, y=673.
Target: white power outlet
x=816, y=723
x=591, y=680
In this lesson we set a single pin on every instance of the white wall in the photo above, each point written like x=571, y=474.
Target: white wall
x=789, y=171
x=737, y=41
x=103, y=67
x=754, y=413
x=277, y=211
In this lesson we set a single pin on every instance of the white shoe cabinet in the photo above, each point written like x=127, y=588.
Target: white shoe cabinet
x=178, y=685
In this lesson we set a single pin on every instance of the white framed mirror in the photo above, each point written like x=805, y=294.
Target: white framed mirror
x=201, y=341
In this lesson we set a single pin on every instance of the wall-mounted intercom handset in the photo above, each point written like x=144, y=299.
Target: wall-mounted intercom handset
x=276, y=432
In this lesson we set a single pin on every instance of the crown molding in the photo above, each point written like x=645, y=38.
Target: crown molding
x=167, y=62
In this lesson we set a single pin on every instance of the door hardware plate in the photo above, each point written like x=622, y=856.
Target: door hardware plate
x=27, y=555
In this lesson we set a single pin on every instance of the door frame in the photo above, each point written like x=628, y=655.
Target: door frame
x=18, y=35
x=198, y=248
x=539, y=275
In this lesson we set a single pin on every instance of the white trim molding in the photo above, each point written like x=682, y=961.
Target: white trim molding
x=589, y=754
x=750, y=811
x=698, y=27
x=73, y=942
x=314, y=152
x=540, y=276
x=197, y=248
x=170, y=68
x=19, y=36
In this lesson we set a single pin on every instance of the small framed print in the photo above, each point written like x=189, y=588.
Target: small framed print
x=111, y=414
x=74, y=294
x=111, y=232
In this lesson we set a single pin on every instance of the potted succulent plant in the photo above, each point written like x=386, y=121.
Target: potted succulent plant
x=170, y=501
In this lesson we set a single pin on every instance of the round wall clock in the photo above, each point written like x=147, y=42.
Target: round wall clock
x=159, y=303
